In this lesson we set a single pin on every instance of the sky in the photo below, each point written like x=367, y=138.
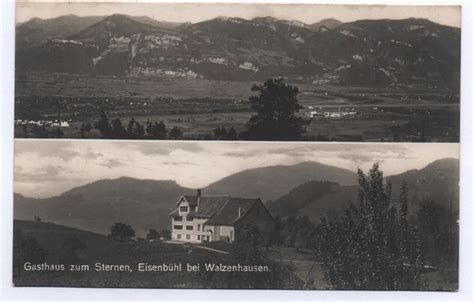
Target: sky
x=45, y=168
x=196, y=12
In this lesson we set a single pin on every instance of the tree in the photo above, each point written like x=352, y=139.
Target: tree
x=135, y=130
x=153, y=235
x=103, y=126
x=121, y=232
x=438, y=225
x=58, y=133
x=372, y=246
x=40, y=131
x=85, y=128
x=166, y=234
x=232, y=134
x=118, y=130
x=219, y=133
x=276, y=106
x=176, y=133
x=156, y=130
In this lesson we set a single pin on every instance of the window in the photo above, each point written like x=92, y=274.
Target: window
x=183, y=209
x=199, y=237
x=188, y=236
x=189, y=219
x=189, y=227
x=177, y=227
x=199, y=227
x=178, y=219
x=178, y=236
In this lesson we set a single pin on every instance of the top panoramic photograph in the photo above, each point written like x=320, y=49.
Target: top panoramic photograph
x=256, y=72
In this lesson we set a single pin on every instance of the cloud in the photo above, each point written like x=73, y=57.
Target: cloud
x=162, y=147
x=49, y=167
x=112, y=163
x=56, y=149
x=44, y=174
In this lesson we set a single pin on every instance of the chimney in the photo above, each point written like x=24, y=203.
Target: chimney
x=240, y=212
x=198, y=196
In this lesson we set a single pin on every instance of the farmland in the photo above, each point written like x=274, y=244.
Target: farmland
x=198, y=106
x=100, y=249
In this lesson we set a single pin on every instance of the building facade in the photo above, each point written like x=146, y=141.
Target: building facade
x=199, y=218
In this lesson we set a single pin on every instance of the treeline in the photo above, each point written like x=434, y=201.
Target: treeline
x=42, y=132
x=376, y=243
x=275, y=106
x=115, y=129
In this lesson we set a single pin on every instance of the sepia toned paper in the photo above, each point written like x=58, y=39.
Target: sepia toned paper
x=237, y=146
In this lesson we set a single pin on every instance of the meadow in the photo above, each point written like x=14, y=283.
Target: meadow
x=199, y=106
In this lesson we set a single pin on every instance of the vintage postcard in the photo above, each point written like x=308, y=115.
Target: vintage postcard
x=237, y=146
x=101, y=213
x=269, y=72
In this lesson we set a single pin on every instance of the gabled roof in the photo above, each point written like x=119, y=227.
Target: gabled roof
x=220, y=210
x=228, y=214
x=208, y=205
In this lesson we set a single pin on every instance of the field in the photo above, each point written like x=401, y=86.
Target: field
x=299, y=269
x=199, y=106
x=100, y=249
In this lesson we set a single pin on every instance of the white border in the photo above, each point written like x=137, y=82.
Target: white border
x=9, y=293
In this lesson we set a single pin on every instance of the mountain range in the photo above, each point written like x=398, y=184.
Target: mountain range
x=365, y=52
x=310, y=189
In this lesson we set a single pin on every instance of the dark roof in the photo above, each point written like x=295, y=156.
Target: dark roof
x=220, y=210
x=229, y=213
x=174, y=213
x=209, y=205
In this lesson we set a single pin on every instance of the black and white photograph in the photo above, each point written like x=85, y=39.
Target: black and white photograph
x=236, y=151
x=227, y=215
x=253, y=72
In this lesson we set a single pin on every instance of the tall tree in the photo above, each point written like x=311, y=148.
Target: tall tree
x=372, y=246
x=276, y=106
x=103, y=125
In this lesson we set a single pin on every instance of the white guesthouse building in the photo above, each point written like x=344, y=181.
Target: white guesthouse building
x=200, y=218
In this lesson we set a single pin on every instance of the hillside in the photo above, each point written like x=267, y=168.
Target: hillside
x=272, y=182
x=329, y=23
x=437, y=182
x=50, y=236
x=308, y=188
x=146, y=203
x=365, y=52
x=36, y=32
x=95, y=207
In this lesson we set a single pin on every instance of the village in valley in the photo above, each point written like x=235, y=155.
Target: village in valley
x=198, y=78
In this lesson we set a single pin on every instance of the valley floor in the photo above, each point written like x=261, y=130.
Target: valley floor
x=198, y=107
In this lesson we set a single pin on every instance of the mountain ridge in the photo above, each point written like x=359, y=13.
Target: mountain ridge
x=381, y=52
x=145, y=204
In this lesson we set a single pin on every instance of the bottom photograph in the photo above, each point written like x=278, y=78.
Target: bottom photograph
x=222, y=215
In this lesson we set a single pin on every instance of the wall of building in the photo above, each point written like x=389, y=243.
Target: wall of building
x=259, y=216
x=195, y=234
x=226, y=233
